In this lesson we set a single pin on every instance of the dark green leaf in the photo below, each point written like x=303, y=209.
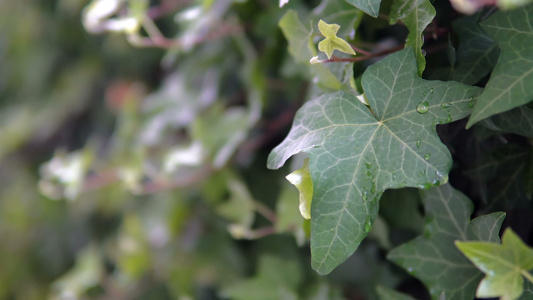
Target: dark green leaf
x=416, y=15
x=477, y=52
x=355, y=155
x=508, y=86
x=433, y=258
x=371, y=7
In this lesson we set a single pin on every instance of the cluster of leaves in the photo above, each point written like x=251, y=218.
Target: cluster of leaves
x=133, y=164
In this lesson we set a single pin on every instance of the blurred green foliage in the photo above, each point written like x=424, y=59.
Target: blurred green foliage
x=132, y=158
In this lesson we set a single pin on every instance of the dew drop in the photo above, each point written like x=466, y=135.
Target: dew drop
x=423, y=172
x=423, y=52
x=431, y=90
x=445, y=105
x=418, y=143
x=373, y=189
x=449, y=119
x=368, y=224
x=423, y=107
x=471, y=102
x=365, y=196
x=368, y=173
x=427, y=156
x=425, y=186
x=368, y=166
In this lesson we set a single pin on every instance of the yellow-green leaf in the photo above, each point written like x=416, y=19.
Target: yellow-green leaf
x=504, y=264
x=332, y=41
x=301, y=179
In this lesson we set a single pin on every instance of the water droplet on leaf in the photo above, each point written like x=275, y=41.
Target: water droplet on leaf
x=368, y=166
x=449, y=119
x=427, y=156
x=373, y=189
x=471, y=102
x=445, y=105
x=423, y=107
x=418, y=143
x=431, y=90
x=368, y=224
x=365, y=196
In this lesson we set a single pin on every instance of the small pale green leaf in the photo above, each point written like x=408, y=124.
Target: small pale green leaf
x=433, y=258
x=371, y=7
x=332, y=41
x=388, y=294
x=504, y=264
x=301, y=179
x=416, y=15
x=355, y=155
x=509, y=84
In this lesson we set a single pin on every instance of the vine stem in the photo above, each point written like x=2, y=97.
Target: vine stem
x=265, y=211
x=365, y=57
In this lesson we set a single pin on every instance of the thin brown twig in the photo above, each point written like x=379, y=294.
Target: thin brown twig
x=265, y=211
x=181, y=182
x=365, y=57
x=166, y=43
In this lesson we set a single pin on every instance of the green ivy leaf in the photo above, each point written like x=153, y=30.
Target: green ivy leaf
x=332, y=41
x=416, y=15
x=477, y=52
x=517, y=121
x=503, y=174
x=302, y=49
x=508, y=86
x=504, y=264
x=371, y=7
x=355, y=155
x=301, y=179
x=276, y=278
x=341, y=13
x=433, y=258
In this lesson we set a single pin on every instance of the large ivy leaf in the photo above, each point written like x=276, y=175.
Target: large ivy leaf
x=504, y=264
x=416, y=15
x=371, y=7
x=477, y=52
x=508, y=86
x=433, y=258
x=355, y=155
